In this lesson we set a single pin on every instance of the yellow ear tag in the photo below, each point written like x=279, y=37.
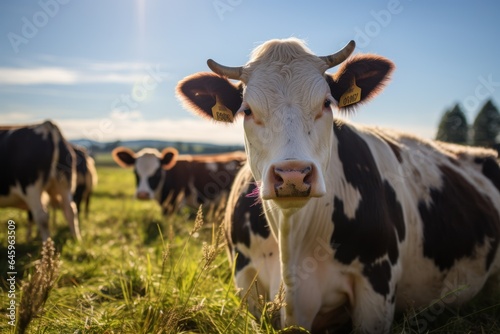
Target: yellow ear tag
x=221, y=113
x=353, y=95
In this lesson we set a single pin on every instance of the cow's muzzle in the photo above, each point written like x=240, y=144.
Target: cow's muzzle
x=292, y=178
x=143, y=195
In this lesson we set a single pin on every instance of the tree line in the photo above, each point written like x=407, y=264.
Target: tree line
x=484, y=131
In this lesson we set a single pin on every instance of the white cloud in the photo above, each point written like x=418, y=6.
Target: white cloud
x=35, y=76
x=119, y=66
x=15, y=117
x=119, y=115
x=62, y=76
x=121, y=73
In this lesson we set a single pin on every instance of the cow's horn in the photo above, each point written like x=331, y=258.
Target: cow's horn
x=338, y=57
x=230, y=72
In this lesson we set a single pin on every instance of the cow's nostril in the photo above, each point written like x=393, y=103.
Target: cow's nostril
x=277, y=176
x=308, y=178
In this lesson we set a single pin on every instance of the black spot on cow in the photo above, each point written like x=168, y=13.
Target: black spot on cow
x=490, y=169
x=379, y=275
x=154, y=180
x=378, y=223
x=458, y=219
x=241, y=260
x=246, y=206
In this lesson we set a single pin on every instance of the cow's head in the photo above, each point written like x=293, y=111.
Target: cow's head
x=148, y=164
x=286, y=99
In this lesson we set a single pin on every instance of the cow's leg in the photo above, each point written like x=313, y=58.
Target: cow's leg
x=39, y=213
x=87, y=202
x=71, y=214
x=303, y=301
x=78, y=196
x=61, y=189
x=246, y=279
x=260, y=277
x=372, y=312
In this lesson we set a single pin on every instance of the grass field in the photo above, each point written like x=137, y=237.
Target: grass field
x=138, y=272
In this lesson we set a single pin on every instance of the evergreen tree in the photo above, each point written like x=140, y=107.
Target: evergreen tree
x=486, y=126
x=453, y=127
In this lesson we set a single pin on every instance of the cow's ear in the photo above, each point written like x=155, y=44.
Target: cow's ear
x=123, y=156
x=359, y=79
x=168, y=158
x=210, y=95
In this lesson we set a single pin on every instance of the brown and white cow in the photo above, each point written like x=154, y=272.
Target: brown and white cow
x=37, y=159
x=367, y=221
x=175, y=180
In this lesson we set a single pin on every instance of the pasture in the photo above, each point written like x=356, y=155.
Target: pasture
x=138, y=272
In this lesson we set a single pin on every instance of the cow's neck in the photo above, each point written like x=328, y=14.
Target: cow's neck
x=304, y=238
x=304, y=244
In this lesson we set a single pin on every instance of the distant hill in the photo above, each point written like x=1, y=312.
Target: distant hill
x=136, y=145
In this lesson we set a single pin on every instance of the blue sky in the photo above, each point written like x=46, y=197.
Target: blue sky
x=107, y=70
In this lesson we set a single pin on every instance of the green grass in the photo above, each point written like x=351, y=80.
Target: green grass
x=138, y=272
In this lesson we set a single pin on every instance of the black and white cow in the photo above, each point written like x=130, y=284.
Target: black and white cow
x=175, y=180
x=367, y=221
x=37, y=159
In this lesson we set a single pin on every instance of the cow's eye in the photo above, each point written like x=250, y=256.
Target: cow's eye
x=247, y=111
x=327, y=103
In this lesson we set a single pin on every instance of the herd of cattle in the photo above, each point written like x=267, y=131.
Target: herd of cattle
x=353, y=223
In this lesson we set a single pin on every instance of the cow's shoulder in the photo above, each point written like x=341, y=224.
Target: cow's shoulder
x=244, y=213
x=378, y=212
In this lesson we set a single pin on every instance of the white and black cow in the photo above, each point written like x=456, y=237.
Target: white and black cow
x=367, y=221
x=37, y=159
x=174, y=180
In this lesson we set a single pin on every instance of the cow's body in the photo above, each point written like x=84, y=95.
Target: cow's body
x=366, y=220
x=175, y=180
x=38, y=159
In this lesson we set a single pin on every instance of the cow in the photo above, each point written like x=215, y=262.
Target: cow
x=38, y=159
x=367, y=221
x=175, y=180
